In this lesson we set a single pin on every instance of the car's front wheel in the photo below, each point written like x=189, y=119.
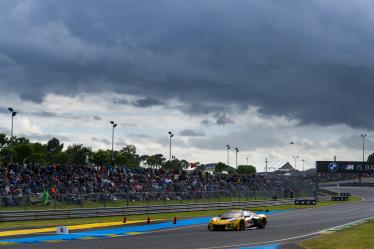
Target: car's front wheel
x=210, y=227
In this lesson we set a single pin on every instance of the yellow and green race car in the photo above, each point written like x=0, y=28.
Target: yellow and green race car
x=237, y=220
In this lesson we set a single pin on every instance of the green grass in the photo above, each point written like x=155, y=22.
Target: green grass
x=357, y=237
x=77, y=221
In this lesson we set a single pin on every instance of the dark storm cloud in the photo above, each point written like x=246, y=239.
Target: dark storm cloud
x=142, y=102
x=305, y=59
x=148, y=102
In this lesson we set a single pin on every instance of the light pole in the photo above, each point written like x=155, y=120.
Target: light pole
x=170, y=136
x=228, y=154
x=13, y=114
x=266, y=165
x=114, y=125
x=303, y=164
x=295, y=157
x=247, y=158
x=236, y=157
x=363, y=136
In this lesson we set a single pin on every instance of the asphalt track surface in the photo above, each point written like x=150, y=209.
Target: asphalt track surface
x=282, y=229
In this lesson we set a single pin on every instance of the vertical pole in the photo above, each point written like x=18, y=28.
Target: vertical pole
x=316, y=183
x=11, y=137
x=266, y=165
x=113, y=144
x=236, y=159
x=170, y=149
x=11, y=131
x=363, y=148
x=228, y=157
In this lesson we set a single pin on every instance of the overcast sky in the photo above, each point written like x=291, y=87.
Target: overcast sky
x=253, y=74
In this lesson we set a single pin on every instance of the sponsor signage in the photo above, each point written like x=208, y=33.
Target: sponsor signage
x=305, y=202
x=339, y=198
x=344, y=167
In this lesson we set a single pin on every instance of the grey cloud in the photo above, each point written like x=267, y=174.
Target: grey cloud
x=354, y=141
x=148, y=102
x=97, y=118
x=101, y=140
x=250, y=139
x=303, y=59
x=45, y=137
x=142, y=102
x=4, y=110
x=46, y=114
x=191, y=133
x=139, y=136
x=222, y=119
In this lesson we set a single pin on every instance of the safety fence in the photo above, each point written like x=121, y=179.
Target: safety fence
x=133, y=210
x=95, y=200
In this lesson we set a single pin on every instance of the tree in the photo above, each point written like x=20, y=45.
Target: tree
x=3, y=140
x=38, y=154
x=155, y=160
x=21, y=149
x=77, y=154
x=54, y=146
x=246, y=169
x=171, y=165
x=371, y=158
x=220, y=167
x=127, y=156
x=101, y=157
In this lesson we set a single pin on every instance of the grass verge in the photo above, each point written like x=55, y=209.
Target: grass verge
x=357, y=237
x=79, y=221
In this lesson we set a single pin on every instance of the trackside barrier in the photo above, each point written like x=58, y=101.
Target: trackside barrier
x=345, y=194
x=339, y=198
x=305, y=202
x=133, y=210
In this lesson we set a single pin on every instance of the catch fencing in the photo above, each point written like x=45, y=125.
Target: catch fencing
x=133, y=210
x=95, y=200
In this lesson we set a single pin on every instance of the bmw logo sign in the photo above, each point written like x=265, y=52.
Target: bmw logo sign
x=333, y=167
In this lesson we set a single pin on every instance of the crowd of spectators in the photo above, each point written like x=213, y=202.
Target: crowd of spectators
x=24, y=180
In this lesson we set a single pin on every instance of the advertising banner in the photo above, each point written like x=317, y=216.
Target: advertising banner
x=344, y=167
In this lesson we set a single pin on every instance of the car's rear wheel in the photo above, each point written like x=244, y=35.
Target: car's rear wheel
x=242, y=225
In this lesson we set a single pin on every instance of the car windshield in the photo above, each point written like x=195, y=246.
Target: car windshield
x=230, y=215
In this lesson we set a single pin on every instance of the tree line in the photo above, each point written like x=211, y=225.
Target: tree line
x=20, y=150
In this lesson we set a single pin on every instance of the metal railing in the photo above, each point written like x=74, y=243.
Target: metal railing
x=133, y=210
x=95, y=200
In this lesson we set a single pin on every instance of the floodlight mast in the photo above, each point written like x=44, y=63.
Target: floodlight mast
x=114, y=125
x=13, y=114
x=170, y=136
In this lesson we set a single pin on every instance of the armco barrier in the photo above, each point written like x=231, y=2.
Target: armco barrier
x=345, y=194
x=132, y=210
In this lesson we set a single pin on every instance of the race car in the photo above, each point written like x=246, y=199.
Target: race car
x=237, y=220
